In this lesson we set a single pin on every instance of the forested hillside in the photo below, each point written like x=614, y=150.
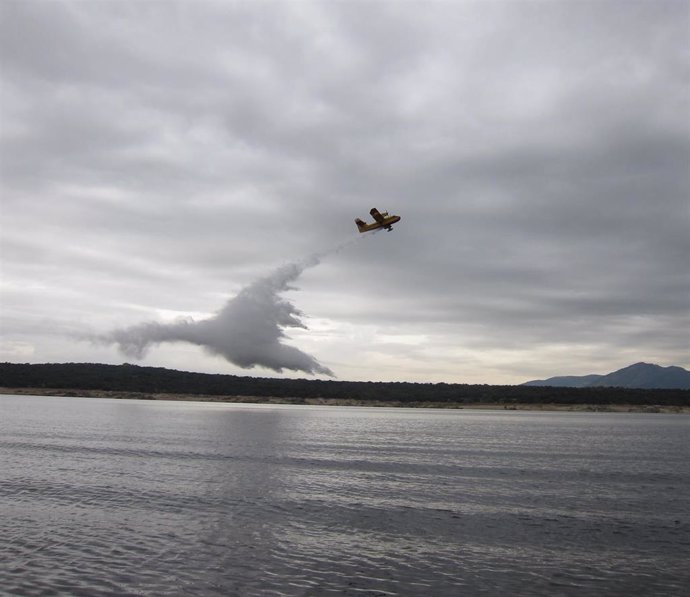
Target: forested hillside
x=132, y=378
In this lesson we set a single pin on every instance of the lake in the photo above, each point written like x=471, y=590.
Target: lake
x=124, y=497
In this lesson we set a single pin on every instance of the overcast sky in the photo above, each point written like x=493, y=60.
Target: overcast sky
x=160, y=157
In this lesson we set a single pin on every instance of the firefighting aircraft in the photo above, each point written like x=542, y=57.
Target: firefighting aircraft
x=383, y=220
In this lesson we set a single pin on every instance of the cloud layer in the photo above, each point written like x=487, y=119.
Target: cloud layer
x=155, y=156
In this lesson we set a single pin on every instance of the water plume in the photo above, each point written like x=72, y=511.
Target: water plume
x=248, y=331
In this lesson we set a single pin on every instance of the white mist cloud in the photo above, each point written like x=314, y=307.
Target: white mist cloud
x=248, y=331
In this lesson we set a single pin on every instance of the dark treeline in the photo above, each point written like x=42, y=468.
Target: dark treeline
x=132, y=378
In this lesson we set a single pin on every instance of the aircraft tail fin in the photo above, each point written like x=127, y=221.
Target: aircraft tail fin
x=360, y=223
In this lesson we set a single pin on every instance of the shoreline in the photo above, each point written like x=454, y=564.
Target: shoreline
x=542, y=406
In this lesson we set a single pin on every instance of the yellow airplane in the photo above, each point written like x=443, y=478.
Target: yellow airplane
x=383, y=220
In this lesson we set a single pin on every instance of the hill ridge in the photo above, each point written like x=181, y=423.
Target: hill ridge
x=638, y=375
x=158, y=380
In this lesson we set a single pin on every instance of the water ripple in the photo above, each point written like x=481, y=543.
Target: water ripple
x=182, y=500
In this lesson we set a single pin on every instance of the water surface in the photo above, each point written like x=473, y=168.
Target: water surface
x=123, y=497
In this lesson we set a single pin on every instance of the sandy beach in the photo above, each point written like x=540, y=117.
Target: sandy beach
x=78, y=393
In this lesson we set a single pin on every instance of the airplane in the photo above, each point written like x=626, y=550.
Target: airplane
x=383, y=220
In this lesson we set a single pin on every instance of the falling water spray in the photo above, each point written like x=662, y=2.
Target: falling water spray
x=248, y=331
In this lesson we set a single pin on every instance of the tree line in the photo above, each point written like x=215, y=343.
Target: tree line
x=133, y=378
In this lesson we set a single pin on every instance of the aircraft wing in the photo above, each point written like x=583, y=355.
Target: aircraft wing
x=376, y=214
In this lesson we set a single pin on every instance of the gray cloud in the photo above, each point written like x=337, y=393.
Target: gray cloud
x=155, y=157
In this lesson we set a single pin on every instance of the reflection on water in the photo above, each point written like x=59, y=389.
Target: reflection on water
x=114, y=497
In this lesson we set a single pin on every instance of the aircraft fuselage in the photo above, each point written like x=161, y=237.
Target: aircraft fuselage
x=382, y=220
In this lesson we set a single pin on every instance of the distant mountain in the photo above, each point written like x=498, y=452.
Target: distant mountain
x=566, y=381
x=639, y=375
